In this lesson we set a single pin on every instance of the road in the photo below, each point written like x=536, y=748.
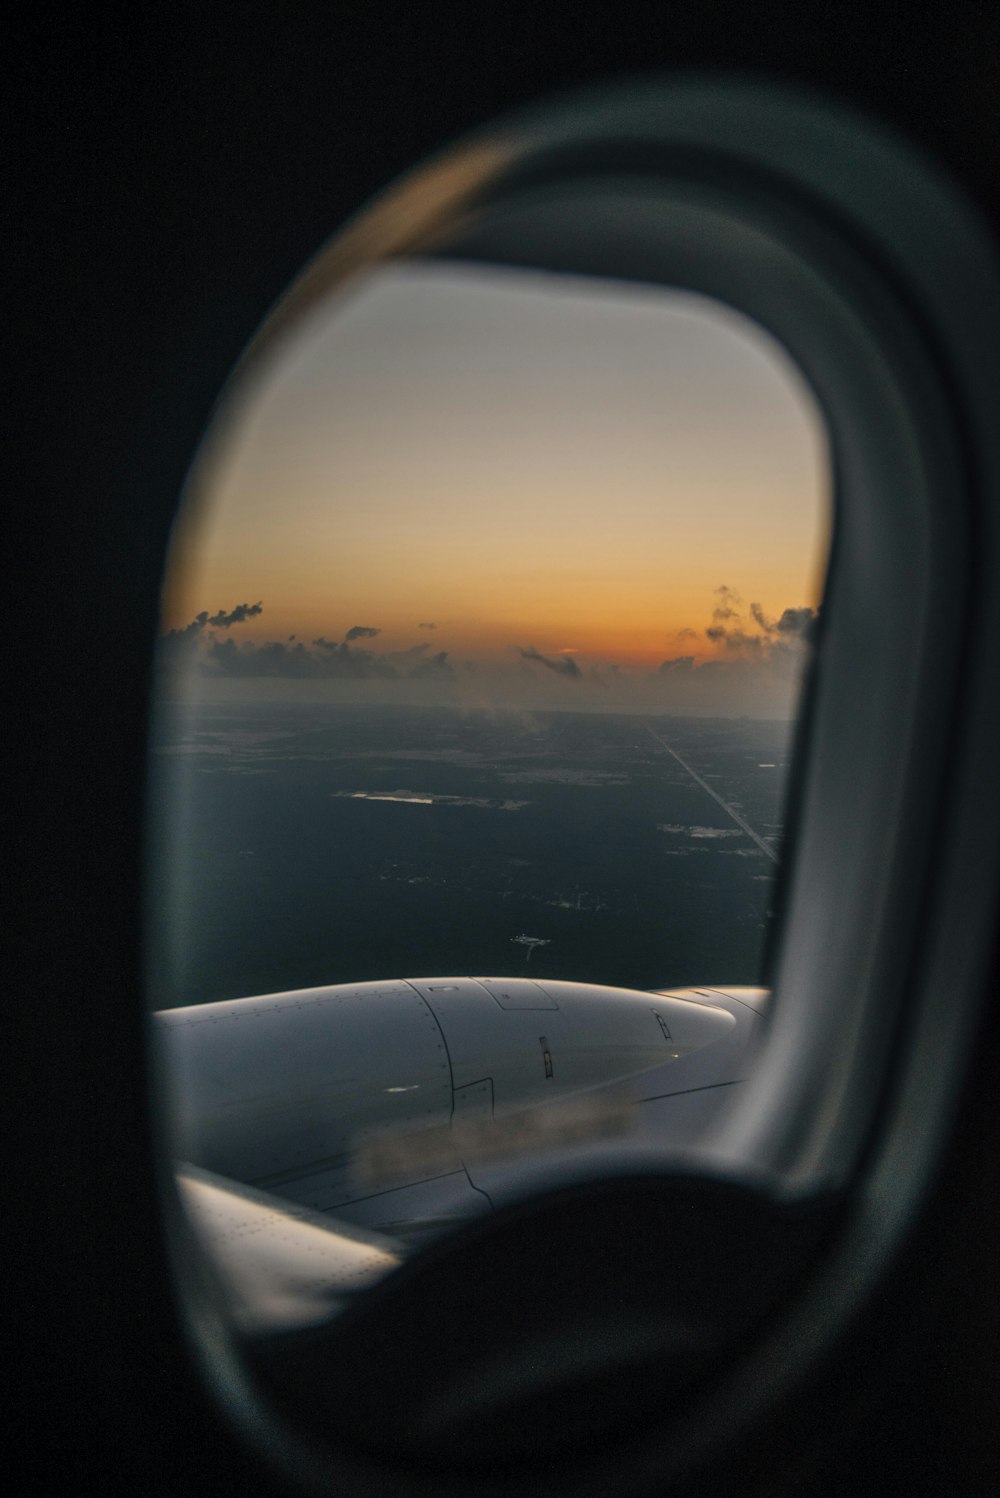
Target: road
x=729, y=810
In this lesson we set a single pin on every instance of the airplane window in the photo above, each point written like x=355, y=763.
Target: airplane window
x=484, y=634
x=502, y=588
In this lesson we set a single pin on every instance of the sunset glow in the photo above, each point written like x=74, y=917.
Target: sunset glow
x=488, y=463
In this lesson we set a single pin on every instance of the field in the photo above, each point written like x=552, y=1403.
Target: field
x=303, y=845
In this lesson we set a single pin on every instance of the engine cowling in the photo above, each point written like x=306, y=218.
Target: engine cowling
x=277, y=1091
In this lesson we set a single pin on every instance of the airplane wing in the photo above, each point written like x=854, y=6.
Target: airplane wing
x=283, y=1267
x=324, y=1132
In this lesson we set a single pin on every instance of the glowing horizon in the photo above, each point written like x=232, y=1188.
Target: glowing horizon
x=524, y=461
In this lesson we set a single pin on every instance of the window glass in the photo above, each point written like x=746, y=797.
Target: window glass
x=483, y=638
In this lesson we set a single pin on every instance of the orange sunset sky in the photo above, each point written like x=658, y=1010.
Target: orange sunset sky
x=476, y=463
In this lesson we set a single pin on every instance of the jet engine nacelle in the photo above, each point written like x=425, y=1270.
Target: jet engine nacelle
x=278, y=1092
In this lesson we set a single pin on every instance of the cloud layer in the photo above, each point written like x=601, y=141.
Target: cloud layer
x=562, y=665
x=747, y=663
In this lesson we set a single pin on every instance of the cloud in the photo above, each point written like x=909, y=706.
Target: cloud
x=775, y=644
x=412, y=650
x=430, y=625
x=274, y=658
x=189, y=632
x=327, y=660
x=434, y=665
x=242, y=611
x=747, y=662
x=564, y=666
x=797, y=622
x=734, y=639
x=792, y=623
x=226, y=658
x=178, y=644
x=728, y=606
x=322, y=660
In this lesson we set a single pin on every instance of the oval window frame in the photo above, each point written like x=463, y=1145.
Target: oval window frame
x=829, y=193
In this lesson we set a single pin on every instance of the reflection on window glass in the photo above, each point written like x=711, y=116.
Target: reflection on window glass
x=483, y=638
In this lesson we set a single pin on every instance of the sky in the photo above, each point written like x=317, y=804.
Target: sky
x=503, y=488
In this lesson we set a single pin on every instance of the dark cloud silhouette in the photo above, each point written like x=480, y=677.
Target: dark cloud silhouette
x=177, y=643
x=226, y=658
x=189, y=632
x=728, y=606
x=323, y=660
x=274, y=658
x=433, y=665
x=563, y=665
x=796, y=621
x=774, y=641
x=242, y=611
x=734, y=639
x=793, y=622
x=330, y=660
x=754, y=655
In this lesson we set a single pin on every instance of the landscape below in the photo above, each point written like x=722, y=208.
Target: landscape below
x=300, y=845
